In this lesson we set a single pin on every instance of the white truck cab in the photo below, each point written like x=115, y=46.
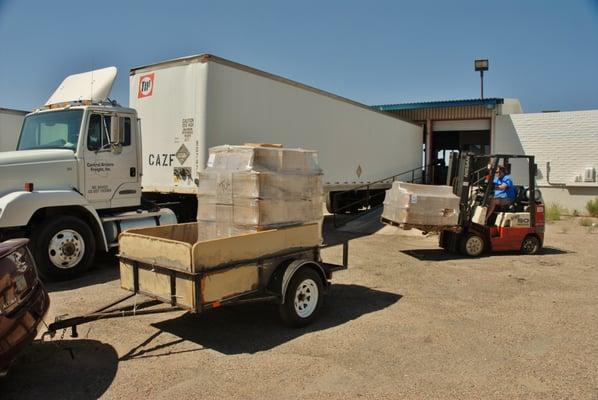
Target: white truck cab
x=74, y=182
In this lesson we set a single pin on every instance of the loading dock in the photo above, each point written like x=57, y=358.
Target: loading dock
x=454, y=126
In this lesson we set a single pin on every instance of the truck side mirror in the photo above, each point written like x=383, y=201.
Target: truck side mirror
x=116, y=132
x=116, y=129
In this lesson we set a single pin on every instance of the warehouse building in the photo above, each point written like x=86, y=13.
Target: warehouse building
x=454, y=126
x=566, y=148
x=565, y=143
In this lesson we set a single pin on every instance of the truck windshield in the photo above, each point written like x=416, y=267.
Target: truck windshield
x=51, y=130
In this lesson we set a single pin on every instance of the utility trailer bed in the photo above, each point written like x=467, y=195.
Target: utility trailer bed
x=168, y=265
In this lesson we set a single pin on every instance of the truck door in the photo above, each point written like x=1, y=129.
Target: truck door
x=111, y=170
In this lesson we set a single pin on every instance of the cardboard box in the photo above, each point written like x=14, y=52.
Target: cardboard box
x=413, y=204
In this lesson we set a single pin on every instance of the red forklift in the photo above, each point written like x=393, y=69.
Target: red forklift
x=517, y=227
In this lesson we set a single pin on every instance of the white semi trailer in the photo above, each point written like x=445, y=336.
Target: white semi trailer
x=86, y=168
x=10, y=127
x=190, y=104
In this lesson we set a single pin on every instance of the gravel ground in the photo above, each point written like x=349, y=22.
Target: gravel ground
x=406, y=320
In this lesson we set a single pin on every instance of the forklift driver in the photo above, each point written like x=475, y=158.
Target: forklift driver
x=504, y=192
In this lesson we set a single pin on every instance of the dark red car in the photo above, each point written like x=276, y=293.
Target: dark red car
x=23, y=300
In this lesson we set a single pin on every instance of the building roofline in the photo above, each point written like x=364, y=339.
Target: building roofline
x=490, y=102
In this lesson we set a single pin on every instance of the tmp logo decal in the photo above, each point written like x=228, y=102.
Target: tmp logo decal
x=146, y=86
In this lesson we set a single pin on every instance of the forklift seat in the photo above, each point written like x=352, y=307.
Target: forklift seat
x=518, y=204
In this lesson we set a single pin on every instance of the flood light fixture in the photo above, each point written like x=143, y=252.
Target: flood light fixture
x=481, y=65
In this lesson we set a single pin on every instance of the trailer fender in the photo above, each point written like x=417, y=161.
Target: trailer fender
x=295, y=266
x=18, y=208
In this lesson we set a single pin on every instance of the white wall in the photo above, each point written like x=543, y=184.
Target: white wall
x=10, y=128
x=568, y=140
x=464, y=125
x=510, y=106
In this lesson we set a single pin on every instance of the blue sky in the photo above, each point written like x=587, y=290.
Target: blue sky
x=543, y=52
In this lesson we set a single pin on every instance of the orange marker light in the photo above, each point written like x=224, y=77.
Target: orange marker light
x=29, y=186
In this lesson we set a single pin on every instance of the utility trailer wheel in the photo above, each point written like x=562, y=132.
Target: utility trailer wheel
x=303, y=298
x=63, y=247
x=472, y=245
x=530, y=245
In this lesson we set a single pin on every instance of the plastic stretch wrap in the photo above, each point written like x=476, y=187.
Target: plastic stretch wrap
x=269, y=185
x=251, y=188
x=217, y=185
x=208, y=230
x=264, y=158
x=413, y=204
x=213, y=212
x=274, y=213
x=223, y=185
x=261, y=212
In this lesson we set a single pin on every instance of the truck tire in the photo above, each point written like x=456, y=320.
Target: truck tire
x=304, y=298
x=472, y=245
x=530, y=245
x=63, y=247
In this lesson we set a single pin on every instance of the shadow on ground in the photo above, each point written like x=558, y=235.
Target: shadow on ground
x=68, y=369
x=443, y=255
x=340, y=228
x=257, y=327
x=104, y=269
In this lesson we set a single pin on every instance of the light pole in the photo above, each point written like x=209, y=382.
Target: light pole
x=481, y=65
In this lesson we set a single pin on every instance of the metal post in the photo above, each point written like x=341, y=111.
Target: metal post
x=482, y=84
x=429, y=147
x=481, y=65
x=345, y=254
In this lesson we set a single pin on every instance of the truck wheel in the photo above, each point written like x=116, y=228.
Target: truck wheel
x=303, y=299
x=530, y=245
x=472, y=245
x=63, y=248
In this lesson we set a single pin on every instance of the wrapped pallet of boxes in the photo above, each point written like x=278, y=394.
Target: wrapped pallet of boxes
x=413, y=205
x=257, y=187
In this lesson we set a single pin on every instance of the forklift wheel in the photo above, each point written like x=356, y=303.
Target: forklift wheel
x=530, y=245
x=472, y=245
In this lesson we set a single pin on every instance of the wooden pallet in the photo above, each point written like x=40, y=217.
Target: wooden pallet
x=423, y=228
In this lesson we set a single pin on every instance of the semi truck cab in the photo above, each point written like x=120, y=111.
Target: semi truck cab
x=74, y=182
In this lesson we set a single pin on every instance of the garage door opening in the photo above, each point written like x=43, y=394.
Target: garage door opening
x=445, y=143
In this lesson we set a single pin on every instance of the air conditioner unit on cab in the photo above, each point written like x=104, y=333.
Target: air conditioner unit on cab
x=589, y=175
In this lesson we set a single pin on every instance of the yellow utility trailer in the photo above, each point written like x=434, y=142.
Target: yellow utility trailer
x=169, y=265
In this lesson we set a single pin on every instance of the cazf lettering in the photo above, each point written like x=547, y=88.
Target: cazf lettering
x=161, y=160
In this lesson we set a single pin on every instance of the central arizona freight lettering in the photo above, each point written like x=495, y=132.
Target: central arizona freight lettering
x=162, y=160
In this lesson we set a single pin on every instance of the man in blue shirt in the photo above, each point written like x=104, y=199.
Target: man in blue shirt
x=504, y=192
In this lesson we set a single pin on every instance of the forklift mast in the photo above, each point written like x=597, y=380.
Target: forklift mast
x=472, y=179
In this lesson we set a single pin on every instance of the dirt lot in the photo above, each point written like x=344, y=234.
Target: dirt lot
x=405, y=321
